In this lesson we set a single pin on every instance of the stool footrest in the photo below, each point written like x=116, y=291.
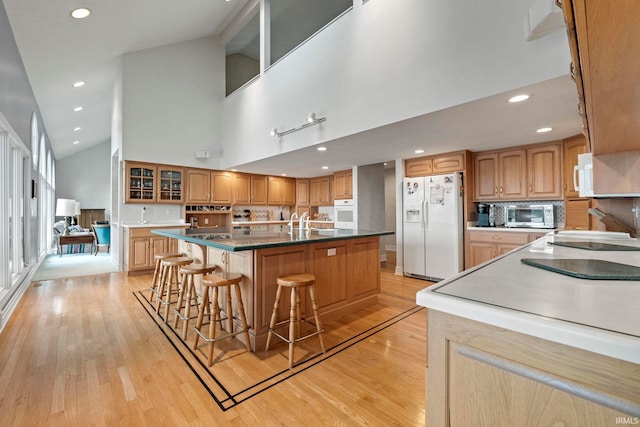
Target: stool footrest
x=304, y=337
x=227, y=335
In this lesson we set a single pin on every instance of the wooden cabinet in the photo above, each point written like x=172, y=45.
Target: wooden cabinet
x=303, y=193
x=241, y=189
x=486, y=245
x=320, y=189
x=140, y=182
x=343, y=185
x=433, y=165
x=258, y=190
x=544, y=172
x=520, y=379
x=602, y=36
x=576, y=214
x=572, y=147
x=281, y=191
x=170, y=189
x=500, y=175
x=209, y=186
x=221, y=187
x=531, y=172
x=198, y=186
x=141, y=246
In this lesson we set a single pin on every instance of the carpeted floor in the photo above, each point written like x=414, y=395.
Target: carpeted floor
x=73, y=265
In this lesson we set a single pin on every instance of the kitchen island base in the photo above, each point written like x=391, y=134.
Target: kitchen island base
x=347, y=277
x=483, y=375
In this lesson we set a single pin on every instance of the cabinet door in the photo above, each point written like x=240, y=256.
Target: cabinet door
x=418, y=167
x=572, y=148
x=325, y=191
x=513, y=174
x=158, y=245
x=274, y=190
x=486, y=176
x=139, y=253
x=503, y=248
x=303, y=193
x=576, y=214
x=221, y=187
x=481, y=252
x=140, y=181
x=258, y=190
x=198, y=186
x=343, y=185
x=448, y=164
x=242, y=189
x=349, y=184
x=544, y=172
x=171, y=181
x=288, y=191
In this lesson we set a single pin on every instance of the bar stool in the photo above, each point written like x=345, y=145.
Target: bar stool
x=295, y=282
x=168, y=278
x=210, y=284
x=187, y=296
x=157, y=271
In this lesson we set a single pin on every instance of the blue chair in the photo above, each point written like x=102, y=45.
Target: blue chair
x=103, y=236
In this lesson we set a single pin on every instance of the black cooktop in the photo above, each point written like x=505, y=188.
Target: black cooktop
x=594, y=269
x=596, y=246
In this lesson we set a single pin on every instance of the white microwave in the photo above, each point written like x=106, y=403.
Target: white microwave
x=531, y=216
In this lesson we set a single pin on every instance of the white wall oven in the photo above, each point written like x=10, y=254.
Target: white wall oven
x=344, y=214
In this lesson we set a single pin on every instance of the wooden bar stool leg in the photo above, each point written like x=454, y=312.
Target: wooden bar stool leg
x=212, y=323
x=173, y=278
x=201, y=309
x=229, y=309
x=314, y=305
x=181, y=292
x=243, y=317
x=161, y=287
x=156, y=277
x=274, y=316
x=293, y=321
x=187, y=309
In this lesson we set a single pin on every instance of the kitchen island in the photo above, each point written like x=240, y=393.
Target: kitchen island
x=514, y=344
x=346, y=264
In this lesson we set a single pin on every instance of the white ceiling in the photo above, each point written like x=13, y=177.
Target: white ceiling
x=58, y=51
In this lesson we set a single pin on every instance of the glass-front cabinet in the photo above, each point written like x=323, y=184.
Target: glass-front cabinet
x=140, y=180
x=170, y=189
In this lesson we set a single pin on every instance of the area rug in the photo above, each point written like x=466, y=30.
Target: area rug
x=74, y=265
x=238, y=375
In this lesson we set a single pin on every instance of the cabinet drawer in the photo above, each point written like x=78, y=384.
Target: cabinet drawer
x=499, y=237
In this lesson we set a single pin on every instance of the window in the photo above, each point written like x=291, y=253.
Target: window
x=242, y=54
x=294, y=21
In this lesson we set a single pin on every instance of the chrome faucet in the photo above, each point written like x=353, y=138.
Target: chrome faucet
x=293, y=215
x=301, y=221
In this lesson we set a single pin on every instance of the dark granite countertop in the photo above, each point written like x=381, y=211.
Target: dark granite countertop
x=245, y=238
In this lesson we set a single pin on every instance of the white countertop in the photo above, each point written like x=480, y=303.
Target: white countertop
x=601, y=316
x=276, y=222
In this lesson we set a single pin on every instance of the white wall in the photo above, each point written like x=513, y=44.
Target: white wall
x=86, y=177
x=387, y=61
x=172, y=103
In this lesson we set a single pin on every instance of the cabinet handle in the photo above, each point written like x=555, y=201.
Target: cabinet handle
x=580, y=109
x=572, y=71
x=496, y=190
x=559, y=3
x=500, y=189
x=530, y=188
x=496, y=237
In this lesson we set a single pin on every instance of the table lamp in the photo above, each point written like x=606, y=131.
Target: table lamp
x=66, y=208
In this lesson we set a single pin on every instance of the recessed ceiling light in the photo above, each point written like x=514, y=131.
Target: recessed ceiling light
x=78, y=109
x=76, y=129
x=519, y=98
x=283, y=174
x=80, y=13
x=322, y=148
x=234, y=170
x=543, y=130
x=419, y=151
x=325, y=167
x=76, y=142
x=79, y=84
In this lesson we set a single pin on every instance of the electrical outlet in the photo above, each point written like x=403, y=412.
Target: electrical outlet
x=206, y=221
x=331, y=252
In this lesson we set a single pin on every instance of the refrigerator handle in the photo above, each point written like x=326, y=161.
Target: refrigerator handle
x=425, y=220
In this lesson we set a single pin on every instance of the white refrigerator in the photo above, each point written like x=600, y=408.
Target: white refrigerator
x=433, y=226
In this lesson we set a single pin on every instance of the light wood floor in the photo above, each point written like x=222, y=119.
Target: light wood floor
x=83, y=351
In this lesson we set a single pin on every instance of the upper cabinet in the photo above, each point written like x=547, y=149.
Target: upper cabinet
x=343, y=185
x=571, y=149
x=258, y=190
x=320, y=188
x=603, y=38
x=517, y=174
x=170, y=188
x=303, y=194
x=281, y=191
x=435, y=165
x=198, y=186
x=140, y=182
x=241, y=189
x=221, y=187
x=544, y=172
